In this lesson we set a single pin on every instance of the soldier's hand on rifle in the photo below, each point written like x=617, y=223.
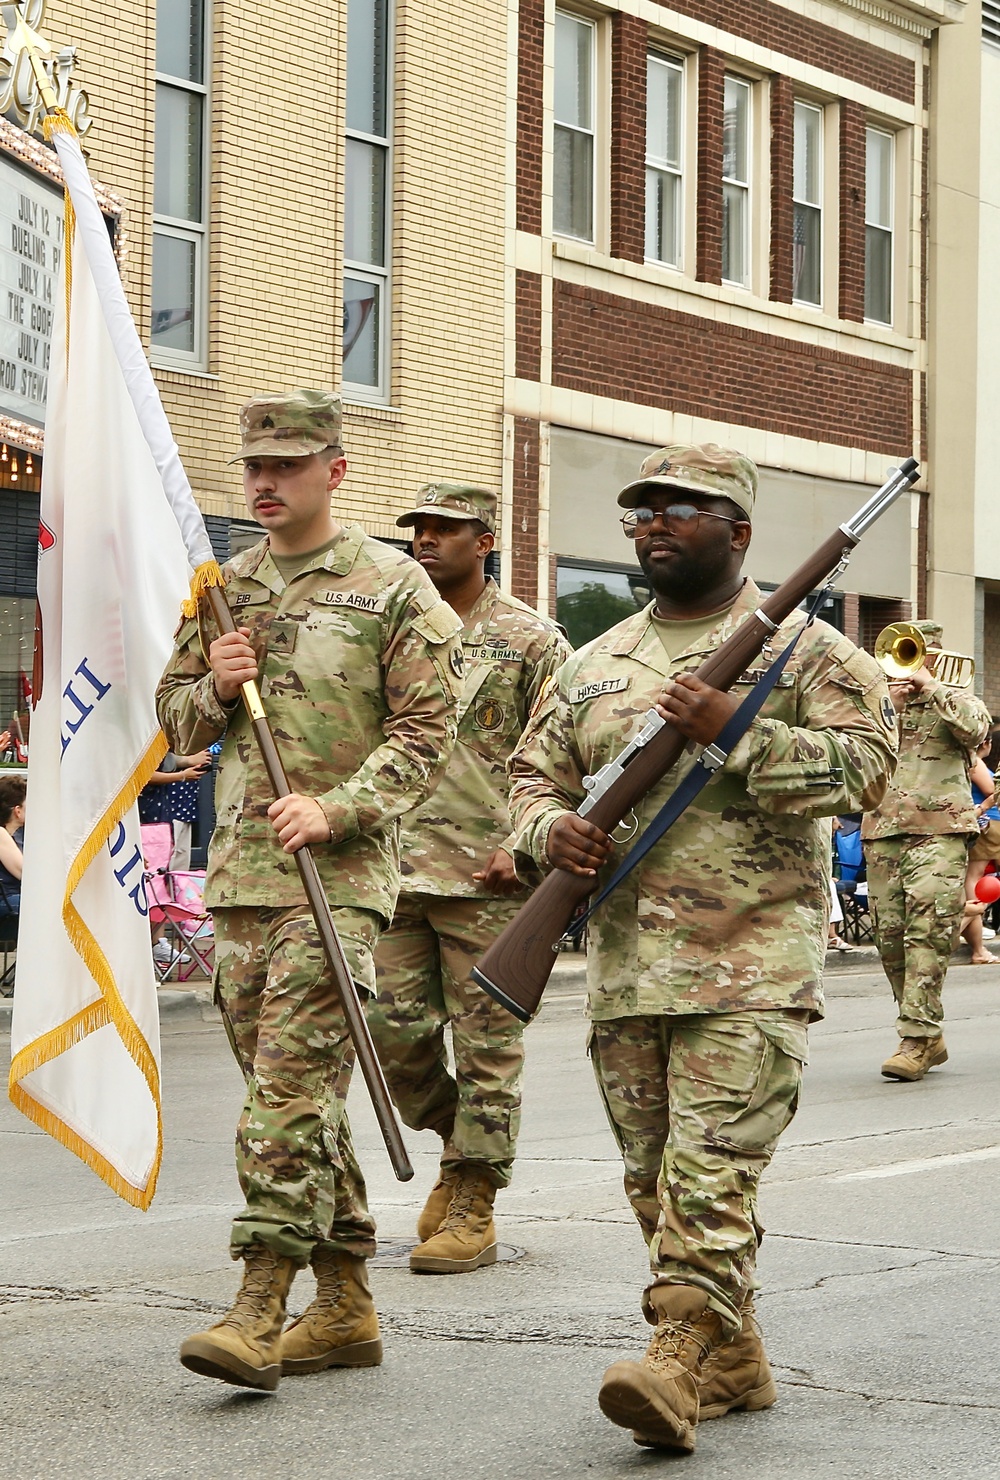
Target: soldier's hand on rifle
x=498, y=876
x=298, y=820
x=576, y=845
x=233, y=663
x=695, y=708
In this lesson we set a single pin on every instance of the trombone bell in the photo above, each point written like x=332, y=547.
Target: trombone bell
x=901, y=648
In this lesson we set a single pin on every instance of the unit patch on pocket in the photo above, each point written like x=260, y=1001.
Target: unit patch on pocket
x=490, y=715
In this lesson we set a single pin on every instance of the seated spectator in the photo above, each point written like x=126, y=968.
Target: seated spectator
x=171, y=795
x=12, y=794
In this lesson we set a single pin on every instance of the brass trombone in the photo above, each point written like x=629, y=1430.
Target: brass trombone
x=901, y=648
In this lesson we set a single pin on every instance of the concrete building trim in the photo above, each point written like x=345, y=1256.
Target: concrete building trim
x=657, y=426
x=776, y=35
x=658, y=286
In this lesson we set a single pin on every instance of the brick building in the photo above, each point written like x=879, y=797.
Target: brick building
x=721, y=217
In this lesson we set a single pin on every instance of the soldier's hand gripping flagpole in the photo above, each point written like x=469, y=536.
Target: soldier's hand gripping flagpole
x=207, y=580
x=319, y=904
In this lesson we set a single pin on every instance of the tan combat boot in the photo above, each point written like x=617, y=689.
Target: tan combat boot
x=436, y=1207
x=658, y=1397
x=737, y=1374
x=466, y=1239
x=243, y=1347
x=340, y=1328
x=914, y=1057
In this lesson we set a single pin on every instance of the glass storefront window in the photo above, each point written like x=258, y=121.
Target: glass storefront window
x=17, y=643
x=592, y=598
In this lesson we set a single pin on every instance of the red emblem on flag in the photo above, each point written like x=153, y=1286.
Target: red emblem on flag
x=46, y=539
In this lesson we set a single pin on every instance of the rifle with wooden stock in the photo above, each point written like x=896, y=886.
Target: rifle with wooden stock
x=517, y=966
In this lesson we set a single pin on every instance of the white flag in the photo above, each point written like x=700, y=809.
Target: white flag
x=112, y=573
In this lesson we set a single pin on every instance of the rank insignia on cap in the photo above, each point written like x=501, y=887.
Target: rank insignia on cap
x=489, y=715
x=664, y=467
x=888, y=713
x=268, y=422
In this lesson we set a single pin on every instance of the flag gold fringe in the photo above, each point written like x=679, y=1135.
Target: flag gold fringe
x=205, y=576
x=108, y=1009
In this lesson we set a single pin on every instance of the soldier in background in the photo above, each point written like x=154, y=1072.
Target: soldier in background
x=455, y=861
x=359, y=666
x=917, y=847
x=705, y=966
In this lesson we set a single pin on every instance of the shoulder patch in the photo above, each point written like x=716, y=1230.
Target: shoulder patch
x=585, y=691
x=438, y=622
x=887, y=712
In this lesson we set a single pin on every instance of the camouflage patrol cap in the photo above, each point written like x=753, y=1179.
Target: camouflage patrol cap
x=705, y=469
x=454, y=501
x=932, y=631
x=293, y=424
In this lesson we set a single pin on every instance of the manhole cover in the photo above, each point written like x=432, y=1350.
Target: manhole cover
x=395, y=1253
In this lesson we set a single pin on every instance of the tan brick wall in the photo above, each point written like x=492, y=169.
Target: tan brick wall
x=275, y=299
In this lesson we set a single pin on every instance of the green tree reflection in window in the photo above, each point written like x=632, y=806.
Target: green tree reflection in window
x=590, y=600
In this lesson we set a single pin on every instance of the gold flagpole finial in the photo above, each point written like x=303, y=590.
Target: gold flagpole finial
x=22, y=38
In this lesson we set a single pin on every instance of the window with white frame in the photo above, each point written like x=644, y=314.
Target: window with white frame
x=177, y=328
x=807, y=196
x=573, y=133
x=736, y=182
x=366, y=200
x=879, y=151
x=664, y=175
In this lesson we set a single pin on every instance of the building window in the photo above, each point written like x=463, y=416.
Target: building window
x=991, y=21
x=366, y=202
x=807, y=188
x=664, y=180
x=736, y=182
x=177, y=329
x=573, y=139
x=878, y=225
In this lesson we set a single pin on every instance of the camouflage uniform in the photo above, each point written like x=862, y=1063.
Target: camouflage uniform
x=705, y=965
x=445, y=919
x=360, y=672
x=916, y=844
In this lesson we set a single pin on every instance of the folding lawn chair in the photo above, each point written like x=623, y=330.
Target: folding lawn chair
x=176, y=900
x=850, y=873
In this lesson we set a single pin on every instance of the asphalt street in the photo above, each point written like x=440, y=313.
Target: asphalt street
x=880, y=1301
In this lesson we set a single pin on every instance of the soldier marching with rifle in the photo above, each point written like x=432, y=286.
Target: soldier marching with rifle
x=705, y=968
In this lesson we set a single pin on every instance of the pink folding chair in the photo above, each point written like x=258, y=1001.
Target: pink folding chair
x=176, y=901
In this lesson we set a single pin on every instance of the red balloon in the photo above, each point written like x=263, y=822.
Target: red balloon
x=988, y=889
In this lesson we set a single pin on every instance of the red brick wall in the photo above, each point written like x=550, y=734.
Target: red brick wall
x=528, y=326
x=807, y=40
x=852, y=211
x=610, y=346
x=922, y=519
x=530, y=46
x=711, y=87
x=628, y=137
x=523, y=554
x=782, y=182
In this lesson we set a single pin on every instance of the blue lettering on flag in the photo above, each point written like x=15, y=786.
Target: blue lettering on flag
x=137, y=891
x=84, y=691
